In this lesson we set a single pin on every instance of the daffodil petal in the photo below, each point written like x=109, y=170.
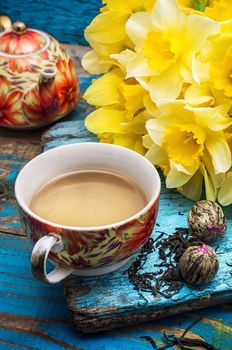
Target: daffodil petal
x=210, y=190
x=94, y=63
x=147, y=141
x=195, y=75
x=104, y=90
x=124, y=57
x=167, y=85
x=106, y=28
x=199, y=95
x=106, y=120
x=218, y=121
x=137, y=27
x=156, y=155
x=138, y=147
x=225, y=192
x=218, y=179
x=131, y=141
x=175, y=111
x=176, y=177
x=219, y=10
x=219, y=151
x=137, y=124
x=106, y=137
x=199, y=28
x=193, y=188
x=144, y=82
x=138, y=67
x=188, y=69
x=202, y=69
x=151, y=107
x=215, y=119
x=133, y=94
x=179, y=167
x=156, y=129
x=223, y=101
x=166, y=15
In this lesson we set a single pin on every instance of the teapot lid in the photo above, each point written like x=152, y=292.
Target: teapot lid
x=22, y=41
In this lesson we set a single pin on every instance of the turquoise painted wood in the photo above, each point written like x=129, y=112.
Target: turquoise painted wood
x=64, y=19
x=34, y=315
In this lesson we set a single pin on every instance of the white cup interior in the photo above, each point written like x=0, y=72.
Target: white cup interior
x=81, y=156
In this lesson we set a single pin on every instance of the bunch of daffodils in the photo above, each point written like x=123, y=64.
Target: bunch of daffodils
x=166, y=88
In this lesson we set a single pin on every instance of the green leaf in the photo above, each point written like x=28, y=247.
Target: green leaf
x=200, y=5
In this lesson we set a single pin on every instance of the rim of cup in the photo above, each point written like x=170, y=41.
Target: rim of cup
x=26, y=208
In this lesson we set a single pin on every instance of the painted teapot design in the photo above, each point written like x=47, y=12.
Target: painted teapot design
x=38, y=83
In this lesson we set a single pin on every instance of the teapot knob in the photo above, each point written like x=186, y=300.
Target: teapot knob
x=5, y=23
x=19, y=27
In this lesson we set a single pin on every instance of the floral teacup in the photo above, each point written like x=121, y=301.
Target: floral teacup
x=86, y=251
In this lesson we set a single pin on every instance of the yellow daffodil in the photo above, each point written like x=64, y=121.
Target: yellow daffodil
x=119, y=117
x=166, y=44
x=107, y=34
x=188, y=142
x=166, y=91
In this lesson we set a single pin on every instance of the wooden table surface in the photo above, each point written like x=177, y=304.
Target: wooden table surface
x=33, y=315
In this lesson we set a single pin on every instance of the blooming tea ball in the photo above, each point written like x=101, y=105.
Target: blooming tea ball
x=207, y=221
x=198, y=264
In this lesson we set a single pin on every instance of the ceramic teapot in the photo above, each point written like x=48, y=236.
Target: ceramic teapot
x=38, y=83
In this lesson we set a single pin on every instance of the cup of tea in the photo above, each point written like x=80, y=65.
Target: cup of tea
x=87, y=207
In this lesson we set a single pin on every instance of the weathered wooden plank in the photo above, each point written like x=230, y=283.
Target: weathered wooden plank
x=33, y=315
x=14, y=153
x=65, y=19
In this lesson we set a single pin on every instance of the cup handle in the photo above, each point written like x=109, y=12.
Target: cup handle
x=39, y=256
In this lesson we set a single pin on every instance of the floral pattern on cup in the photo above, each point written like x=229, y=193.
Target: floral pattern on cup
x=97, y=248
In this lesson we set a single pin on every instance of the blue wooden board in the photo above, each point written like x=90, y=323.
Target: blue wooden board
x=64, y=19
x=109, y=301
